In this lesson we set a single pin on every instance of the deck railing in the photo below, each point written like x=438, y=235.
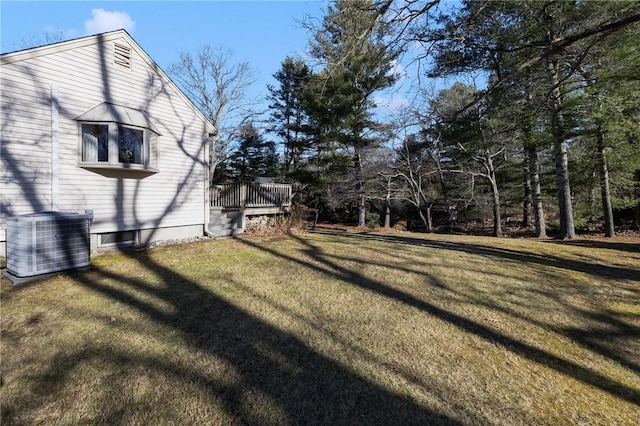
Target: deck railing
x=251, y=195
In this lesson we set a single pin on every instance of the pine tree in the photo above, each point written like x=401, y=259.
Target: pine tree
x=289, y=118
x=357, y=63
x=254, y=157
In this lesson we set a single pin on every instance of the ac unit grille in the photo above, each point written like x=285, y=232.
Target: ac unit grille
x=47, y=242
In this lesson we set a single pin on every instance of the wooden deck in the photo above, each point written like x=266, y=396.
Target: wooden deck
x=252, y=198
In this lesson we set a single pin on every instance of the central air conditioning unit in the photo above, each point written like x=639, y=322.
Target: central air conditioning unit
x=41, y=243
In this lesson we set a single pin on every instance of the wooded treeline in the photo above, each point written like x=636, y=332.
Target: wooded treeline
x=548, y=139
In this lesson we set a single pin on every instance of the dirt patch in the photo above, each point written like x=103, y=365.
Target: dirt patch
x=338, y=227
x=625, y=236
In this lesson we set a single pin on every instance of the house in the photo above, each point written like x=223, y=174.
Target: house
x=94, y=126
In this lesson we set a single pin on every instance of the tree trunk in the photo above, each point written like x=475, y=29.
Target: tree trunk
x=565, y=207
x=534, y=177
x=360, y=189
x=387, y=205
x=213, y=160
x=387, y=216
x=497, y=219
x=527, y=201
x=609, y=230
x=426, y=220
x=636, y=209
x=441, y=178
x=429, y=219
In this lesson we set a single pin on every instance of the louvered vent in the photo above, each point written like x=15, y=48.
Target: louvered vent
x=122, y=55
x=47, y=242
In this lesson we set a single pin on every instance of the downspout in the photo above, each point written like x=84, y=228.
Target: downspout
x=55, y=147
x=207, y=187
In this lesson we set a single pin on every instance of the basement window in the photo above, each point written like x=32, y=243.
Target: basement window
x=121, y=238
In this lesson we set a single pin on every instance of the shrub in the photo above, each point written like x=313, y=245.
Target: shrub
x=372, y=220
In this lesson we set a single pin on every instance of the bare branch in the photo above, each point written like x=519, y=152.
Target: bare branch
x=217, y=86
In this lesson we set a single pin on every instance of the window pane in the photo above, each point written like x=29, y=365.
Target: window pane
x=95, y=142
x=130, y=145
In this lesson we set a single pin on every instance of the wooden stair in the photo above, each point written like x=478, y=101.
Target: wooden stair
x=224, y=223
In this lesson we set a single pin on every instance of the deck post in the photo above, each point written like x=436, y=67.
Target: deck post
x=243, y=195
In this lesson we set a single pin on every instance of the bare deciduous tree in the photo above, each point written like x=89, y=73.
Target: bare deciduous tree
x=48, y=37
x=218, y=87
x=418, y=175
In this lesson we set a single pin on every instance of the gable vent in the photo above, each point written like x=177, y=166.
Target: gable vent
x=122, y=55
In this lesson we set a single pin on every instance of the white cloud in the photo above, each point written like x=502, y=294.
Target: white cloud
x=399, y=71
x=392, y=100
x=104, y=20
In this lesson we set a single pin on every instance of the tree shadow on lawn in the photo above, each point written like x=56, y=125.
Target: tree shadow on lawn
x=608, y=328
x=306, y=386
x=601, y=271
x=325, y=265
x=609, y=245
x=609, y=334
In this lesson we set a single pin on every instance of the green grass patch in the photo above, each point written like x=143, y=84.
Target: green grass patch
x=331, y=329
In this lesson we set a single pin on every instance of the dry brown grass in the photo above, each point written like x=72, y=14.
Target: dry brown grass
x=326, y=329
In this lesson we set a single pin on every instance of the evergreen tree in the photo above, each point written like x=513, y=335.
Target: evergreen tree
x=290, y=120
x=254, y=157
x=509, y=39
x=476, y=142
x=351, y=45
x=609, y=108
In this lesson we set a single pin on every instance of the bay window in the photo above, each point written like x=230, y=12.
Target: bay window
x=115, y=137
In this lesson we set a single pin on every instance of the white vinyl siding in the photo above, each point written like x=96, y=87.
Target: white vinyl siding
x=25, y=147
x=86, y=76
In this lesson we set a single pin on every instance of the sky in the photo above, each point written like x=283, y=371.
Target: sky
x=262, y=33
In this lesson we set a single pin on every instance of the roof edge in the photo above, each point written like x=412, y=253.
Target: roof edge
x=32, y=52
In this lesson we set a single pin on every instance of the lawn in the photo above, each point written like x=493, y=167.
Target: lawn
x=331, y=329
